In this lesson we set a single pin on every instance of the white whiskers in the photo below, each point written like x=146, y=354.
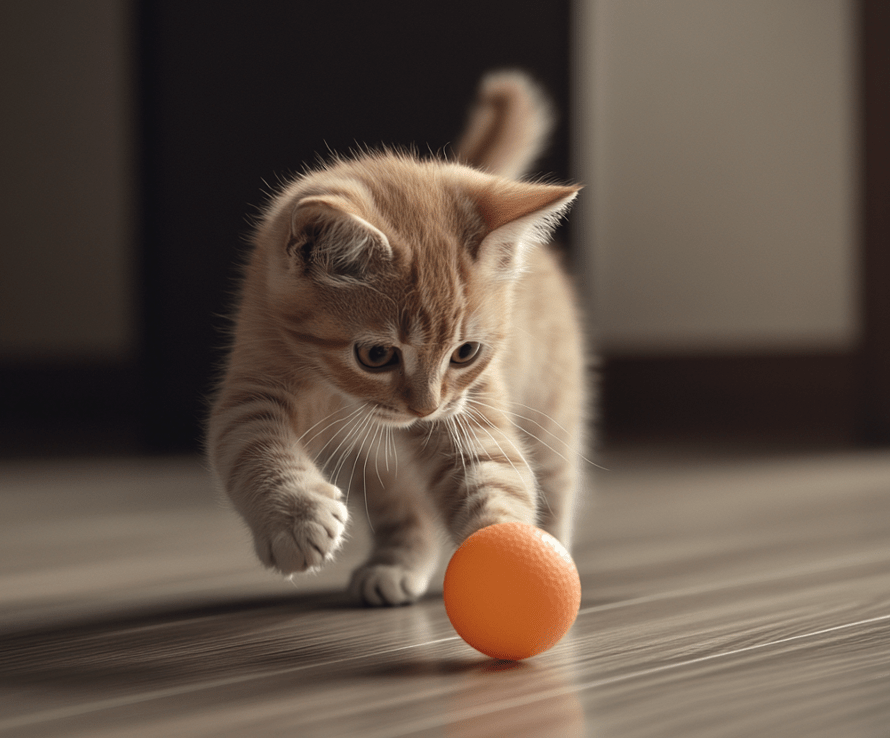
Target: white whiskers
x=342, y=421
x=354, y=434
x=482, y=422
x=358, y=437
x=330, y=415
x=534, y=436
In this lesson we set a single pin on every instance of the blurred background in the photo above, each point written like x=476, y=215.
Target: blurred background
x=730, y=245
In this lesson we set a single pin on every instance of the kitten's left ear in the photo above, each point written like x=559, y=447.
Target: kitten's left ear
x=518, y=215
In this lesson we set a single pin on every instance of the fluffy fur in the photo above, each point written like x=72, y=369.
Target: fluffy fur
x=403, y=337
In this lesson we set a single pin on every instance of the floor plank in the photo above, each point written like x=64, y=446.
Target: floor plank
x=723, y=596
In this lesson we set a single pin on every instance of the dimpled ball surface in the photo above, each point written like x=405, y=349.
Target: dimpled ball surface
x=512, y=591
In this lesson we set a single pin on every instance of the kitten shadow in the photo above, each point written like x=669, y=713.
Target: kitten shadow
x=163, y=645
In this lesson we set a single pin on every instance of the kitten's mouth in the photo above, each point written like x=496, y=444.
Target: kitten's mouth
x=392, y=417
x=398, y=419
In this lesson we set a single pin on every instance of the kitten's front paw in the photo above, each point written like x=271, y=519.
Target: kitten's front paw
x=301, y=532
x=387, y=584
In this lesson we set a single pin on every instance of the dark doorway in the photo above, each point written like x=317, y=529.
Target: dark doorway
x=236, y=96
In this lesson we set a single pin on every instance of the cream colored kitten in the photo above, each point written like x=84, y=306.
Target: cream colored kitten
x=403, y=337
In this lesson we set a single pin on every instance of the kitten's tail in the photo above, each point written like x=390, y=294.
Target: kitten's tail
x=508, y=127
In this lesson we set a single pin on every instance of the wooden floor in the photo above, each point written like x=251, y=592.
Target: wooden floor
x=723, y=596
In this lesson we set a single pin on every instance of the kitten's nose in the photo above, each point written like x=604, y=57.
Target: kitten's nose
x=421, y=399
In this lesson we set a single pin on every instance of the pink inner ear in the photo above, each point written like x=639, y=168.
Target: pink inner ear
x=317, y=208
x=344, y=244
x=500, y=203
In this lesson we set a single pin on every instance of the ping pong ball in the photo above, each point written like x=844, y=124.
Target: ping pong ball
x=512, y=591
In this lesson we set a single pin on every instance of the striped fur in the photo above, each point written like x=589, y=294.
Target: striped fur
x=403, y=338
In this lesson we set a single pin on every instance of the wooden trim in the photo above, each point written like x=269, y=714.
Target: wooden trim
x=874, y=400
x=805, y=396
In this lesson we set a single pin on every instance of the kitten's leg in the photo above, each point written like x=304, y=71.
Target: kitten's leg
x=297, y=518
x=406, y=548
x=552, y=416
x=490, y=479
x=556, y=447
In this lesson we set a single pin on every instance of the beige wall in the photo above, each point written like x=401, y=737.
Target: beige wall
x=65, y=241
x=717, y=142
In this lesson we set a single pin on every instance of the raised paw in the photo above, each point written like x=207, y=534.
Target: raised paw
x=299, y=533
x=387, y=584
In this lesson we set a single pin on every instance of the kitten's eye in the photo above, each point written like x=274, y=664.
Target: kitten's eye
x=466, y=353
x=377, y=357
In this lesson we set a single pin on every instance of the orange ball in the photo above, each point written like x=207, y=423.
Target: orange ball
x=512, y=591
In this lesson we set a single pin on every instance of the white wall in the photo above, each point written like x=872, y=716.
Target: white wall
x=65, y=226
x=717, y=139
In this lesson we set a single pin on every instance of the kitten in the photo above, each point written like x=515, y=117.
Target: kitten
x=403, y=336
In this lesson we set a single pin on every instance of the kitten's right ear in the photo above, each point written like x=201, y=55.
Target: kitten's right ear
x=329, y=240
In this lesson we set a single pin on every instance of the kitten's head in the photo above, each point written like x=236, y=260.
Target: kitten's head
x=390, y=279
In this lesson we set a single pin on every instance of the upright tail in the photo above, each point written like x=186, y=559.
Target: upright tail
x=508, y=127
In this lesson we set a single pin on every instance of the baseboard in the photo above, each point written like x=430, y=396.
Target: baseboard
x=804, y=395
x=809, y=395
